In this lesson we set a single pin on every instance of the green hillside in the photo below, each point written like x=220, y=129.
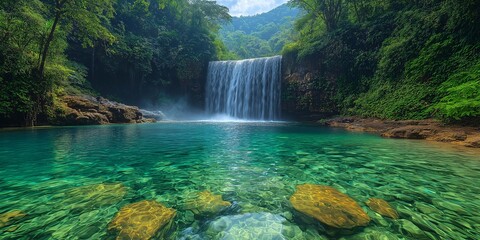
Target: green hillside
x=260, y=35
x=389, y=59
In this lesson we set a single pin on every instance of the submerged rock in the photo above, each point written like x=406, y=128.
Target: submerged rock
x=96, y=195
x=206, y=203
x=9, y=218
x=382, y=207
x=442, y=204
x=253, y=226
x=329, y=206
x=142, y=220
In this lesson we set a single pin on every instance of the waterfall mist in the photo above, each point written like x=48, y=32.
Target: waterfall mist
x=246, y=89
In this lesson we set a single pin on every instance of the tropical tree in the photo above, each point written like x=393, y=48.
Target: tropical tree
x=86, y=20
x=21, y=30
x=329, y=10
x=136, y=48
x=85, y=17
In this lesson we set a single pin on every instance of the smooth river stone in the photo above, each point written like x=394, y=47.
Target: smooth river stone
x=206, y=203
x=329, y=206
x=382, y=207
x=141, y=220
x=252, y=226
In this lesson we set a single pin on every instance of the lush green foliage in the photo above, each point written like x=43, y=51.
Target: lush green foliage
x=138, y=51
x=380, y=58
x=461, y=95
x=394, y=59
x=33, y=66
x=260, y=35
x=160, y=51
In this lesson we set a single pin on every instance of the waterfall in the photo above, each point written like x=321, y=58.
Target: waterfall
x=246, y=89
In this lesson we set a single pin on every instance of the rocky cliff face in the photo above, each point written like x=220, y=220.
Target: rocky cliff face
x=304, y=95
x=86, y=110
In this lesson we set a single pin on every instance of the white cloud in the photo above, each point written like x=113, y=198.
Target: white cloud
x=250, y=7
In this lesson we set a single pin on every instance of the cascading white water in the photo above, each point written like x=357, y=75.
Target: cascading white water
x=246, y=89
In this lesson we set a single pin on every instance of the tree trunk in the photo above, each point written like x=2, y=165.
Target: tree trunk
x=46, y=46
x=30, y=120
x=92, y=68
x=39, y=96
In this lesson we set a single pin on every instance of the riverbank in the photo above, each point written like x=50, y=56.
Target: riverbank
x=74, y=110
x=88, y=110
x=430, y=130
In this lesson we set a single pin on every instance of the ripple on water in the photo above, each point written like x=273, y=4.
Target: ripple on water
x=71, y=182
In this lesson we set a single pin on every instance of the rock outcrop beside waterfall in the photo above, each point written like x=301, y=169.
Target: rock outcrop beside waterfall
x=87, y=110
x=304, y=95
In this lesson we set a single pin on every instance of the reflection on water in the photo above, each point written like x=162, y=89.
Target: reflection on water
x=69, y=183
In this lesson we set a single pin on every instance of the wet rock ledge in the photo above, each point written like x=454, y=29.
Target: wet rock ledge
x=87, y=110
x=430, y=129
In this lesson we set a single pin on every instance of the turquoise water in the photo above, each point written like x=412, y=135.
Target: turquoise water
x=256, y=166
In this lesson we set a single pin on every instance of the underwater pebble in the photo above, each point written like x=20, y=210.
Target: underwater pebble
x=404, y=197
x=404, y=211
x=311, y=234
x=88, y=216
x=462, y=224
x=287, y=215
x=449, y=205
x=189, y=216
x=420, y=221
x=426, y=208
x=372, y=234
x=301, y=153
x=431, y=236
x=377, y=218
x=63, y=231
x=88, y=232
x=411, y=229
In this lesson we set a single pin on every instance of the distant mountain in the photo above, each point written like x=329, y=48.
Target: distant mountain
x=260, y=35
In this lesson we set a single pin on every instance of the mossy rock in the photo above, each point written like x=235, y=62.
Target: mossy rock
x=142, y=220
x=207, y=204
x=329, y=206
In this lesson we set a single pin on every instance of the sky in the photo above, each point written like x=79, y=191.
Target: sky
x=250, y=7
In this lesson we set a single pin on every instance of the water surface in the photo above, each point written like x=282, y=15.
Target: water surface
x=256, y=166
